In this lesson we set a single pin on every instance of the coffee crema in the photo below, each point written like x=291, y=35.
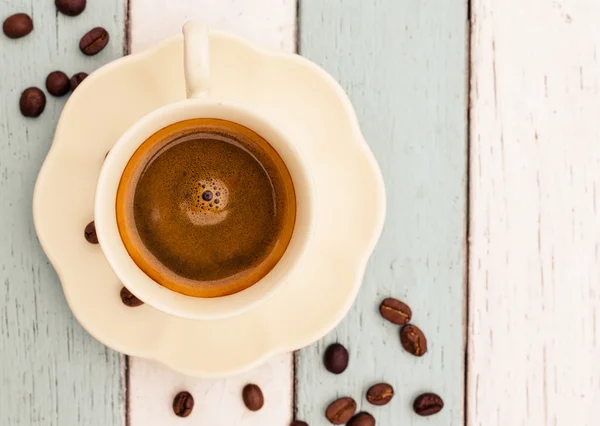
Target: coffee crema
x=206, y=207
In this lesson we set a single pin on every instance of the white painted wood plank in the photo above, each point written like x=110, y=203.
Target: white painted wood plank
x=534, y=340
x=271, y=24
x=217, y=402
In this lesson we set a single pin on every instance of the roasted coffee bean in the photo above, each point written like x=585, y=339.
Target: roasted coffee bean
x=90, y=233
x=395, y=311
x=413, y=340
x=428, y=404
x=57, y=83
x=77, y=79
x=298, y=423
x=129, y=299
x=253, y=397
x=362, y=419
x=336, y=358
x=183, y=404
x=17, y=25
x=94, y=41
x=32, y=102
x=70, y=7
x=380, y=394
x=341, y=410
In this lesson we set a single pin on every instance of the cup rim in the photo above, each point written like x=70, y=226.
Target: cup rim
x=144, y=287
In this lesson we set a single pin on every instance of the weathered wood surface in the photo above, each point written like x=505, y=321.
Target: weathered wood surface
x=51, y=371
x=403, y=64
x=271, y=24
x=535, y=227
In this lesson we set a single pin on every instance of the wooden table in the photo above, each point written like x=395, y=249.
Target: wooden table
x=484, y=120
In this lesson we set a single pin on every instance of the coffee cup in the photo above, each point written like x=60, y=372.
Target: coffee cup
x=200, y=104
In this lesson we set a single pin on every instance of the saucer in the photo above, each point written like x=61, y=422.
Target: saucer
x=292, y=93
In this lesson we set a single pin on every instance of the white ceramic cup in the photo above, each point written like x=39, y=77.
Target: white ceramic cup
x=199, y=104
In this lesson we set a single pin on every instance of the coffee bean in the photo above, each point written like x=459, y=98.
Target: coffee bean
x=94, y=41
x=428, y=404
x=90, y=233
x=395, y=311
x=70, y=7
x=253, y=397
x=17, y=25
x=32, y=102
x=341, y=410
x=57, y=83
x=183, y=404
x=380, y=394
x=77, y=79
x=413, y=340
x=129, y=299
x=336, y=358
x=362, y=419
x=298, y=423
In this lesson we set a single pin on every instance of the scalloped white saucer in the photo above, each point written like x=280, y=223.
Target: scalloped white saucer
x=300, y=98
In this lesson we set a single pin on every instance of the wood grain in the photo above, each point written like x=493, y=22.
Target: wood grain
x=533, y=332
x=271, y=24
x=51, y=371
x=403, y=64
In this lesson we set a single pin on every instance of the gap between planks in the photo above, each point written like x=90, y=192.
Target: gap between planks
x=468, y=206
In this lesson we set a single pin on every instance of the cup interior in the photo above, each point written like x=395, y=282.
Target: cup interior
x=141, y=284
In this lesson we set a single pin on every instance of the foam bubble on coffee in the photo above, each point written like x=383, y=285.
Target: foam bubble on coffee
x=205, y=202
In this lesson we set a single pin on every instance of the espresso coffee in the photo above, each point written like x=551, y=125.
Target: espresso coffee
x=206, y=207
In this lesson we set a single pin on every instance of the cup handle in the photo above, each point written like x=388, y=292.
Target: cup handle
x=196, y=60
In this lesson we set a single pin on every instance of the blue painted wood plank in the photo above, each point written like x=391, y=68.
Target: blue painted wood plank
x=51, y=371
x=404, y=65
